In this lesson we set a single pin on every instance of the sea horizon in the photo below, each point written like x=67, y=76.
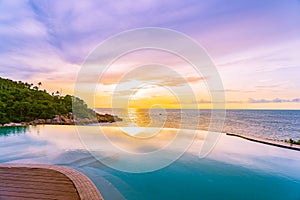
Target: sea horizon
x=278, y=109
x=269, y=124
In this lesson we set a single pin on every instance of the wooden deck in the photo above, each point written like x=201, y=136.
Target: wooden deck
x=44, y=182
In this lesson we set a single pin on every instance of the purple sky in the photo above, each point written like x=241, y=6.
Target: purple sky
x=254, y=44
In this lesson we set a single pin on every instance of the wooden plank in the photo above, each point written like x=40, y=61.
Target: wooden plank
x=37, y=196
x=22, y=170
x=36, y=172
x=40, y=186
x=30, y=183
x=35, y=177
x=37, y=189
x=14, y=198
x=38, y=181
x=32, y=175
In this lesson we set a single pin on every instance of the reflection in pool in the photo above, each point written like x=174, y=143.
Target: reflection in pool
x=235, y=169
x=6, y=131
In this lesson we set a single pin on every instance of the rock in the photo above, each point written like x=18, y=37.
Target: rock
x=70, y=116
x=24, y=123
x=56, y=119
x=36, y=121
x=118, y=119
x=13, y=124
x=63, y=118
x=9, y=124
x=69, y=120
x=107, y=118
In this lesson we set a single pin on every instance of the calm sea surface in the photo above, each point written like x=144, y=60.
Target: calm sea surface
x=235, y=169
x=272, y=124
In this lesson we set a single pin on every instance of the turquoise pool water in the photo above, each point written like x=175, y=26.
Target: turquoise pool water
x=235, y=169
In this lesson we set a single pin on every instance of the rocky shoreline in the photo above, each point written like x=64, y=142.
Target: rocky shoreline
x=69, y=119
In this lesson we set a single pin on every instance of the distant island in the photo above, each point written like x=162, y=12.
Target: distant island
x=23, y=104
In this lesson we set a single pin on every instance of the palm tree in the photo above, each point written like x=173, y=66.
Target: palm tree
x=27, y=85
x=40, y=84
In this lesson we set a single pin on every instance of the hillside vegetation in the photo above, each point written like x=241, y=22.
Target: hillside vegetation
x=24, y=102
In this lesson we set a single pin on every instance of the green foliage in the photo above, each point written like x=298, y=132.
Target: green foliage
x=81, y=109
x=291, y=141
x=23, y=102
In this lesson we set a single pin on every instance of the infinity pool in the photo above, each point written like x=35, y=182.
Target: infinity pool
x=235, y=169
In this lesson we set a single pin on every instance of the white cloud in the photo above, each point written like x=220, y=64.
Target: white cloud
x=276, y=100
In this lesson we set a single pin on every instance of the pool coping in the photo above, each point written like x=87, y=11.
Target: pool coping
x=267, y=141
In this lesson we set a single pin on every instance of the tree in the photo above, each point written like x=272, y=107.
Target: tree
x=21, y=102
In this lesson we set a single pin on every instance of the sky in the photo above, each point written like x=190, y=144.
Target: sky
x=253, y=44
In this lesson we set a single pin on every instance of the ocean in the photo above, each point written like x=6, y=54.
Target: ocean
x=235, y=168
x=270, y=124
